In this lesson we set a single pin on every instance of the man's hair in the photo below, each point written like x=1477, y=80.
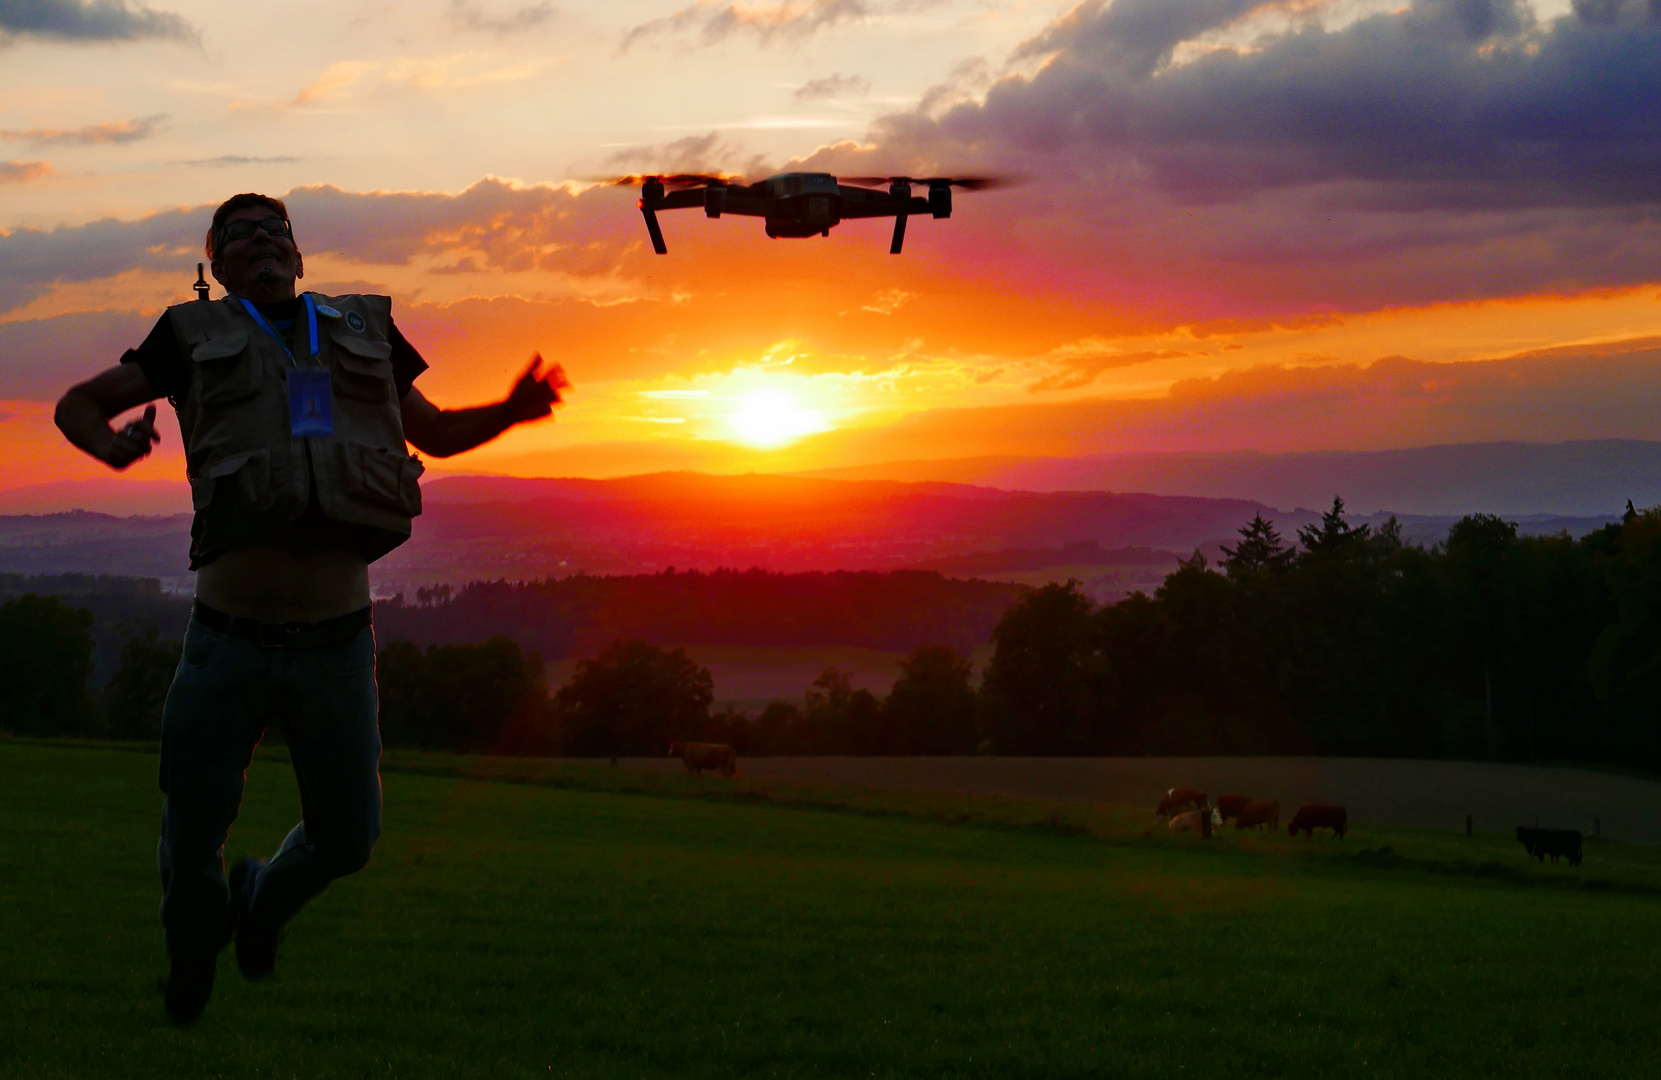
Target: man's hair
x=240, y=202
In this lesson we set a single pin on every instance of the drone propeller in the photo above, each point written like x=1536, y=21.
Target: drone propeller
x=967, y=183
x=939, y=200
x=673, y=180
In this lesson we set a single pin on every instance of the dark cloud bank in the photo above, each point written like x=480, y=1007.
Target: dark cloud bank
x=88, y=21
x=1453, y=149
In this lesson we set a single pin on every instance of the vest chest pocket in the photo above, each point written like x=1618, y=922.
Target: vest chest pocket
x=226, y=369
x=362, y=368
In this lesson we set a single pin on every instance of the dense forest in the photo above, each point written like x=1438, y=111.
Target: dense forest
x=1349, y=641
x=580, y=615
x=1342, y=640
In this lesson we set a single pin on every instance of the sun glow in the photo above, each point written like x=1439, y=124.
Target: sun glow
x=769, y=418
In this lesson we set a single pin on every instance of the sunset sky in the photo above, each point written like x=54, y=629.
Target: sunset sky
x=1303, y=224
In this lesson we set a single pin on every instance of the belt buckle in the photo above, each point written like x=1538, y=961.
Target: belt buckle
x=278, y=635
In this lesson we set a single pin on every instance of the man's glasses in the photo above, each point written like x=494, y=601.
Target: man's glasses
x=242, y=230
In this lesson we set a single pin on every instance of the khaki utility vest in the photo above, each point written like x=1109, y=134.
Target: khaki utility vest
x=242, y=462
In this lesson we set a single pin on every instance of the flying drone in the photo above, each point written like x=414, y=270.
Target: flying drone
x=799, y=204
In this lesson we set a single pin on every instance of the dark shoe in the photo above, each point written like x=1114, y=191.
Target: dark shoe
x=189, y=985
x=256, y=949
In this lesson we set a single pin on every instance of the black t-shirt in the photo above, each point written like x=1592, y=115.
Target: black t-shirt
x=168, y=368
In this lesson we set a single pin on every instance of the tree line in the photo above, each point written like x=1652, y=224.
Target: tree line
x=1489, y=645
x=1343, y=640
x=635, y=698
x=47, y=649
x=581, y=614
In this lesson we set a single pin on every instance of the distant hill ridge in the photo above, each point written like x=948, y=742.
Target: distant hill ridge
x=492, y=527
x=1587, y=478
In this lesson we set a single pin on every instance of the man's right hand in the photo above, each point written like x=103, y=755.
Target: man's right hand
x=133, y=441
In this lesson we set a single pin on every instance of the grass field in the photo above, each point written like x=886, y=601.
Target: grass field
x=533, y=919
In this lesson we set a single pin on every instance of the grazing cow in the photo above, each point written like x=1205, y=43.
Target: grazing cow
x=1258, y=812
x=1200, y=821
x=1231, y=805
x=1557, y=843
x=1320, y=816
x=698, y=756
x=1181, y=798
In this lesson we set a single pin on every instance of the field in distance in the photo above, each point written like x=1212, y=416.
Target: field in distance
x=1377, y=791
x=528, y=918
x=751, y=676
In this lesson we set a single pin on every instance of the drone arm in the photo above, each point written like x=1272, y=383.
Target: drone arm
x=680, y=200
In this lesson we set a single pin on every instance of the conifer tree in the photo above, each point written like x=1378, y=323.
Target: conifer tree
x=1260, y=550
x=1334, y=535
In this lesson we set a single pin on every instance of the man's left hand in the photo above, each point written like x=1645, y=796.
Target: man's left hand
x=536, y=392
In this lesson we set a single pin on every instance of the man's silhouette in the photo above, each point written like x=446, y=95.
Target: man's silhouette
x=293, y=501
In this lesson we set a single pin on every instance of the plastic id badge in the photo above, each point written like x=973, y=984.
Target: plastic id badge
x=311, y=407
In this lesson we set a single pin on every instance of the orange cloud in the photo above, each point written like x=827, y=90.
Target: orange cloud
x=118, y=131
x=348, y=78
x=16, y=172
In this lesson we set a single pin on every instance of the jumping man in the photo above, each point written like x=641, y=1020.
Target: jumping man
x=294, y=410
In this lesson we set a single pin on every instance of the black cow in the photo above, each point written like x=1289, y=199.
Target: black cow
x=1557, y=843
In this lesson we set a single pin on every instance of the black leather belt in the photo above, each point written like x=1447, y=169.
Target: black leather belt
x=322, y=634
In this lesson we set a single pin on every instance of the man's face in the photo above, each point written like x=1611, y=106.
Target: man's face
x=239, y=264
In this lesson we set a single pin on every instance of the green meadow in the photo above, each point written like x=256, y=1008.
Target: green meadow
x=526, y=918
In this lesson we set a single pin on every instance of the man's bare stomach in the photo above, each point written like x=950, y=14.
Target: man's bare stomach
x=275, y=584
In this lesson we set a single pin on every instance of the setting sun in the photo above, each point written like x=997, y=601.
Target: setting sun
x=769, y=418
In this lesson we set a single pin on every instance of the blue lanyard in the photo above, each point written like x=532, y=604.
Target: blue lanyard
x=311, y=323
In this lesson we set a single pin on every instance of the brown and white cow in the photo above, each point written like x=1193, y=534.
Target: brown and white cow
x=1182, y=798
x=698, y=756
x=1257, y=813
x=1200, y=821
x=1230, y=805
x=1319, y=816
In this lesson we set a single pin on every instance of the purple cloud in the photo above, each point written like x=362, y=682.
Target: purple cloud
x=711, y=21
x=1451, y=149
x=96, y=20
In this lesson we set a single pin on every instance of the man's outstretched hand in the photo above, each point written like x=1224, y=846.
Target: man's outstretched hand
x=133, y=441
x=537, y=391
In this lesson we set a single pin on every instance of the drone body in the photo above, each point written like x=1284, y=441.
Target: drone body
x=797, y=204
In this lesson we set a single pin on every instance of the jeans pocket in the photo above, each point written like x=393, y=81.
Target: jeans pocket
x=200, y=646
x=353, y=658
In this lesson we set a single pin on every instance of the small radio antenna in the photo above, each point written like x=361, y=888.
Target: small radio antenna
x=201, y=285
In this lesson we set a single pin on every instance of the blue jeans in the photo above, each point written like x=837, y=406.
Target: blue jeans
x=225, y=693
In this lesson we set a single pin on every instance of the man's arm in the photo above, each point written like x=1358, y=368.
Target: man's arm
x=85, y=410
x=445, y=432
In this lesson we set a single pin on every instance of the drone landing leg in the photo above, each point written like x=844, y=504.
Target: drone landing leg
x=899, y=234
x=657, y=233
